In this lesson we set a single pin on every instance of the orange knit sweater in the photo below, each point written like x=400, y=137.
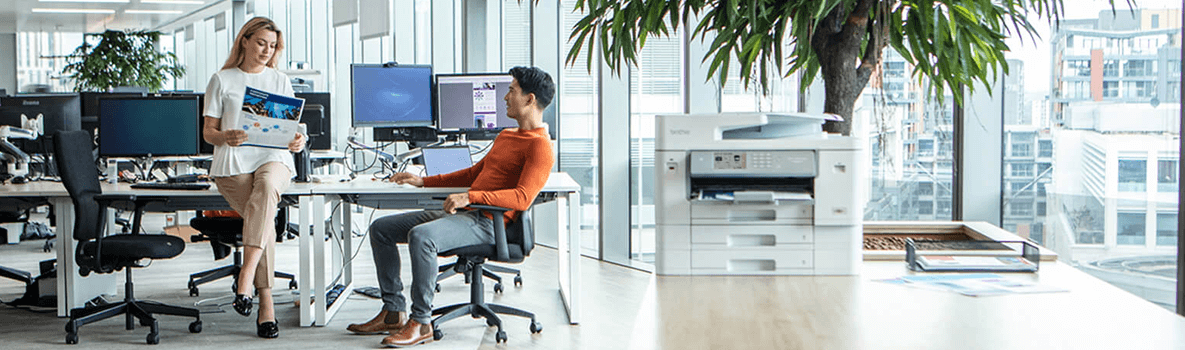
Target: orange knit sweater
x=510, y=175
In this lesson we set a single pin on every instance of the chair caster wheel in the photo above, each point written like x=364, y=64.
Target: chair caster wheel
x=293, y=285
x=438, y=287
x=518, y=281
x=193, y=292
x=71, y=338
x=498, y=287
x=437, y=334
x=153, y=338
x=196, y=327
x=536, y=327
x=500, y=337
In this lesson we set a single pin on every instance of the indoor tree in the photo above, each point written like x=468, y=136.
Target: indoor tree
x=121, y=58
x=951, y=43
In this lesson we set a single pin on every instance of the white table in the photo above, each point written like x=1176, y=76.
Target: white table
x=388, y=196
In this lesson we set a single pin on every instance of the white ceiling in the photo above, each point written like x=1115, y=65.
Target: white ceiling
x=18, y=16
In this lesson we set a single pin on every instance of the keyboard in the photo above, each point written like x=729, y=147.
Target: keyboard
x=171, y=186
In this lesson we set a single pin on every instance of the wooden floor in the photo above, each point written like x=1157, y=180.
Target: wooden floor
x=630, y=309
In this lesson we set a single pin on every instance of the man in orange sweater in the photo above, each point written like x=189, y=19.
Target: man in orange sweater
x=510, y=176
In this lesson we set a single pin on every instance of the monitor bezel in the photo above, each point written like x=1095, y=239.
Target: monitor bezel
x=354, y=122
x=198, y=119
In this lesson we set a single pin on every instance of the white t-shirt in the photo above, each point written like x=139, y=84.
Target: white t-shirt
x=224, y=100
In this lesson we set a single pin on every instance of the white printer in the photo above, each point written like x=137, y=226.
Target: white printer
x=756, y=194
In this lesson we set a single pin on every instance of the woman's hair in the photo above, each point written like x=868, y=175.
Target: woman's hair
x=254, y=26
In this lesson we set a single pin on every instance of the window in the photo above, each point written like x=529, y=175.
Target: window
x=925, y=189
x=1022, y=170
x=1139, y=68
x=1023, y=207
x=1045, y=148
x=516, y=32
x=894, y=69
x=579, y=129
x=925, y=148
x=1110, y=89
x=1017, y=187
x=1166, y=175
x=1132, y=175
x=925, y=208
x=1042, y=168
x=1155, y=21
x=1142, y=89
x=1166, y=229
x=656, y=87
x=1040, y=208
x=1079, y=68
x=1110, y=67
x=1130, y=228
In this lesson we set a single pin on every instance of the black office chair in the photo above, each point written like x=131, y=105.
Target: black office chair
x=224, y=234
x=512, y=244
x=101, y=253
x=454, y=268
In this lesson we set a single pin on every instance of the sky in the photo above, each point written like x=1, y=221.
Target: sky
x=1036, y=57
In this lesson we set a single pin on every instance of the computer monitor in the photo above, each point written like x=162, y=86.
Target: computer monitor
x=391, y=95
x=59, y=112
x=472, y=102
x=444, y=160
x=317, y=119
x=149, y=126
x=90, y=107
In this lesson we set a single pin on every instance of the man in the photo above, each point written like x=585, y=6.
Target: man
x=510, y=175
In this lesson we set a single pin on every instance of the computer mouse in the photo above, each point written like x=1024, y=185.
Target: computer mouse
x=17, y=180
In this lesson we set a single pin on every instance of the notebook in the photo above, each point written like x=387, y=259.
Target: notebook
x=444, y=160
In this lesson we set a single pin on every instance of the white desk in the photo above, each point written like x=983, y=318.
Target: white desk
x=387, y=196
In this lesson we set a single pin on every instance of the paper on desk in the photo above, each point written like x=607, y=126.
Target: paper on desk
x=974, y=284
x=270, y=120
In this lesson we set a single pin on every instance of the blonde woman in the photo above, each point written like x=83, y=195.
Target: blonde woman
x=251, y=178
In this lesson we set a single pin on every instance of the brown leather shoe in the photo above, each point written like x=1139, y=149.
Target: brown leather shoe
x=412, y=334
x=378, y=325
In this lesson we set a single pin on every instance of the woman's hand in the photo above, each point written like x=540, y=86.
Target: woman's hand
x=297, y=143
x=234, y=137
x=407, y=178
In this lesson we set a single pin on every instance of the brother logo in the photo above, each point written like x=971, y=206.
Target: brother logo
x=30, y=102
x=681, y=132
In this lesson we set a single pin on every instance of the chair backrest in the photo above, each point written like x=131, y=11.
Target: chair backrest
x=522, y=232
x=76, y=166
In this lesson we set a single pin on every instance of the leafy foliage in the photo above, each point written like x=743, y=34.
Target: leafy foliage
x=121, y=59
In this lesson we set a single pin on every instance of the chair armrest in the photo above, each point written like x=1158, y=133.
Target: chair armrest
x=499, y=229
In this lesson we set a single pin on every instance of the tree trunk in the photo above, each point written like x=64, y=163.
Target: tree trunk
x=845, y=73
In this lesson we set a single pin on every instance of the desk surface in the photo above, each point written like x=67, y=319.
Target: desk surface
x=557, y=182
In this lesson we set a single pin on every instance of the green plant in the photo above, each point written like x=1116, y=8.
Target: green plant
x=121, y=59
x=951, y=43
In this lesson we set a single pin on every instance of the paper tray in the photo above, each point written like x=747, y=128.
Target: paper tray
x=972, y=255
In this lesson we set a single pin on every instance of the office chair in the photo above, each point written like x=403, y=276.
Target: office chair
x=512, y=243
x=452, y=269
x=102, y=253
x=224, y=234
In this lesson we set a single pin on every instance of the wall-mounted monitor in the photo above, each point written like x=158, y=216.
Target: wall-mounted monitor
x=391, y=95
x=149, y=126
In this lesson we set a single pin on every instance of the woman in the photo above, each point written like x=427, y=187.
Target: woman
x=251, y=178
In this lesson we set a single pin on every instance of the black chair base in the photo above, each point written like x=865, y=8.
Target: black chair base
x=211, y=275
x=477, y=307
x=450, y=270
x=142, y=310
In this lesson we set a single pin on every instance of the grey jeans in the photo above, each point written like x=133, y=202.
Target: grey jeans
x=426, y=233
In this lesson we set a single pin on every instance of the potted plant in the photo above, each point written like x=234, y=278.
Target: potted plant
x=121, y=58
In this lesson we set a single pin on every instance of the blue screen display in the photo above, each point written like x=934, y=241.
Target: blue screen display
x=133, y=127
x=392, y=96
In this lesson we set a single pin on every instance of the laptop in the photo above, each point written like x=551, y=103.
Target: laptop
x=444, y=160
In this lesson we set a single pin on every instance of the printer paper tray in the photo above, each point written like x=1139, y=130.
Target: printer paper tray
x=715, y=212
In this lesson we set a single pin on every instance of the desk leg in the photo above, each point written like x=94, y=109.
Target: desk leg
x=73, y=289
x=340, y=263
x=306, y=241
x=569, y=255
x=319, y=280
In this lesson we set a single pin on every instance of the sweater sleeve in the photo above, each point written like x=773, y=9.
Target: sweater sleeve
x=536, y=169
x=459, y=178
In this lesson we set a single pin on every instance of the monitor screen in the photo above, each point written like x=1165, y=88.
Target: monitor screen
x=59, y=112
x=444, y=160
x=143, y=126
x=391, y=95
x=320, y=137
x=473, y=101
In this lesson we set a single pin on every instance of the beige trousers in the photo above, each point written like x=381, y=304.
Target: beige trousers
x=255, y=196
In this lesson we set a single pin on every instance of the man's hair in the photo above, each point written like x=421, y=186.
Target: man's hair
x=533, y=80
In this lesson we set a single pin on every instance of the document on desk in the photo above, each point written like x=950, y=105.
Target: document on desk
x=270, y=120
x=974, y=284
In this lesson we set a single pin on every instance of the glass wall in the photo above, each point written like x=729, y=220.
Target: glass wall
x=579, y=149
x=656, y=87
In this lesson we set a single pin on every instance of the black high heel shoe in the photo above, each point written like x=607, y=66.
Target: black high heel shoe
x=269, y=329
x=242, y=304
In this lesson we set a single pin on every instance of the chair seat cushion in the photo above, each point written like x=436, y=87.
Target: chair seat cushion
x=123, y=247
x=487, y=251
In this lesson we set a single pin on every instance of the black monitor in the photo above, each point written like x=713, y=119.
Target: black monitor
x=90, y=107
x=316, y=116
x=59, y=112
x=391, y=95
x=473, y=102
x=149, y=126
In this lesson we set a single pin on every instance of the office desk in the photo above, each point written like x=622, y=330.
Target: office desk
x=381, y=195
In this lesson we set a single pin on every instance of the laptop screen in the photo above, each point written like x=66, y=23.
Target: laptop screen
x=444, y=160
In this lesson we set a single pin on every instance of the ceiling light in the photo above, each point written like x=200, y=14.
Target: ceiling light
x=119, y=1
x=103, y=11
x=153, y=12
x=173, y=2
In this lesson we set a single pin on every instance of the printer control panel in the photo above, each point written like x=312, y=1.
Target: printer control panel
x=753, y=163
